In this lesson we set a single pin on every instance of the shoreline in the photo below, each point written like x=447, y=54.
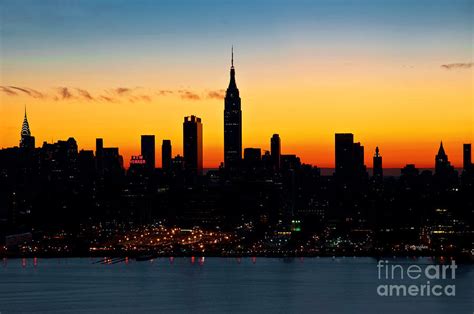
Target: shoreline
x=462, y=258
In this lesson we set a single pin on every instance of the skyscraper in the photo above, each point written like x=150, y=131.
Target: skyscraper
x=275, y=147
x=108, y=159
x=349, y=157
x=192, y=144
x=252, y=157
x=232, y=122
x=26, y=140
x=466, y=157
x=344, y=154
x=99, y=155
x=99, y=147
x=166, y=153
x=442, y=164
x=148, y=150
x=441, y=159
x=359, y=167
x=377, y=166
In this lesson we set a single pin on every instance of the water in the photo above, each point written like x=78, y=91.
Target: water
x=219, y=285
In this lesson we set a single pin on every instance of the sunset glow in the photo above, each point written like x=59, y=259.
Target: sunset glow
x=329, y=70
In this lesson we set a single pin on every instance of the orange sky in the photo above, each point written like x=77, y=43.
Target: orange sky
x=397, y=74
x=405, y=111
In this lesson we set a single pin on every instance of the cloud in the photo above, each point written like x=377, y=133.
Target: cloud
x=460, y=66
x=28, y=91
x=64, y=93
x=122, y=90
x=84, y=94
x=106, y=98
x=113, y=95
x=133, y=99
x=216, y=94
x=164, y=92
x=145, y=97
x=186, y=94
x=8, y=91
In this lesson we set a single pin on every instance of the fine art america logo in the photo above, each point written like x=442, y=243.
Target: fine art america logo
x=404, y=280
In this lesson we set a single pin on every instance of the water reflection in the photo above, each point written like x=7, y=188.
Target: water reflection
x=334, y=285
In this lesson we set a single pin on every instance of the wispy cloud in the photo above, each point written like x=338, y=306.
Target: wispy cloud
x=145, y=98
x=28, y=91
x=122, y=90
x=8, y=91
x=64, y=93
x=165, y=92
x=113, y=95
x=136, y=98
x=186, y=94
x=459, y=66
x=216, y=94
x=85, y=94
x=107, y=98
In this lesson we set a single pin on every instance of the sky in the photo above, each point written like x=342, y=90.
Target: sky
x=397, y=74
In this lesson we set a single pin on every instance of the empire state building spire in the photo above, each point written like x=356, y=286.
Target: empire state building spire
x=232, y=121
x=232, y=84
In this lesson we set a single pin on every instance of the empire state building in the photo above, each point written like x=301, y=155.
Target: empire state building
x=232, y=122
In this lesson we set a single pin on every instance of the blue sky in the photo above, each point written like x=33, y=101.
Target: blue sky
x=204, y=27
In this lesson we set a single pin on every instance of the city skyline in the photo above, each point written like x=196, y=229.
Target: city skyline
x=300, y=82
x=236, y=156
x=192, y=142
x=233, y=122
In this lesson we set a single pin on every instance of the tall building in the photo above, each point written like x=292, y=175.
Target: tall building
x=377, y=164
x=113, y=161
x=252, y=157
x=99, y=147
x=177, y=164
x=349, y=157
x=442, y=164
x=148, y=150
x=192, y=144
x=344, y=154
x=99, y=155
x=232, y=122
x=166, y=153
x=289, y=162
x=108, y=159
x=60, y=158
x=275, y=147
x=26, y=140
x=359, y=166
x=466, y=157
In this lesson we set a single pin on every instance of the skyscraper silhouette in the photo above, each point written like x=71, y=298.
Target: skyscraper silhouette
x=349, y=158
x=166, y=153
x=377, y=166
x=275, y=147
x=344, y=155
x=466, y=157
x=148, y=150
x=26, y=140
x=99, y=155
x=359, y=159
x=252, y=157
x=442, y=164
x=192, y=144
x=232, y=122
